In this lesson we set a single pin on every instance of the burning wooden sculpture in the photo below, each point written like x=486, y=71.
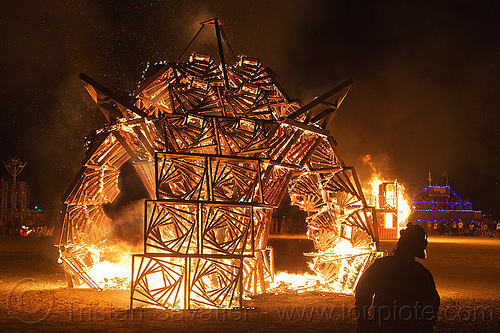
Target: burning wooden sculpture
x=217, y=146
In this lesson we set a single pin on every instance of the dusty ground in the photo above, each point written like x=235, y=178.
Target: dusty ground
x=34, y=297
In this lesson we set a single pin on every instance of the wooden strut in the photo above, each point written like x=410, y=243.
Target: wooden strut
x=315, y=102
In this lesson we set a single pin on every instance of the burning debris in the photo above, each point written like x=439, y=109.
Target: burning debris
x=390, y=201
x=216, y=146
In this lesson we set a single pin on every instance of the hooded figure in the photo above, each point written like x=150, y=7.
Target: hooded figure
x=400, y=291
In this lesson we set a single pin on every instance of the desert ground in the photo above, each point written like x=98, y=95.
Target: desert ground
x=34, y=295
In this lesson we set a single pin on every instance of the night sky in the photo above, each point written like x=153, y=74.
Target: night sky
x=425, y=95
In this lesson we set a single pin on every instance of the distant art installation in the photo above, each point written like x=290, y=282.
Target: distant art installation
x=217, y=145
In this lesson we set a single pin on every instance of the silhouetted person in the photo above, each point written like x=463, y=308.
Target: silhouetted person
x=400, y=290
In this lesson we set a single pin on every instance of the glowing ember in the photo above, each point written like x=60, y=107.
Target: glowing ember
x=284, y=281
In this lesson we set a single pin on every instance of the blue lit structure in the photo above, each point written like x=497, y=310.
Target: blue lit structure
x=439, y=203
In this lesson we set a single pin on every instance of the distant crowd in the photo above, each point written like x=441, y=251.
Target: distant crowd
x=483, y=228
x=44, y=231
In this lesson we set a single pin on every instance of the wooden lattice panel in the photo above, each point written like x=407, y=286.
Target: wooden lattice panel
x=187, y=282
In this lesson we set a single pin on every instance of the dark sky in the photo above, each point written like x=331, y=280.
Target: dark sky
x=425, y=94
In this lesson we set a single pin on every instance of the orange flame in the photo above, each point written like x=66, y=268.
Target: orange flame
x=110, y=266
x=398, y=196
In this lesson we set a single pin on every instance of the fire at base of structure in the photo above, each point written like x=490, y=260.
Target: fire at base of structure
x=216, y=147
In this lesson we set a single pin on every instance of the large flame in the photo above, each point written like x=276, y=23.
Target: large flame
x=403, y=206
x=398, y=195
x=111, y=266
x=101, y=266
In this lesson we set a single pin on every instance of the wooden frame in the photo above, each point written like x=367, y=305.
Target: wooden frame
x=216, y=146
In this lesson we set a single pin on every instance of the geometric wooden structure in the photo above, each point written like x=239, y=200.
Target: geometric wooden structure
x=14, y=196
x=217, y=146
